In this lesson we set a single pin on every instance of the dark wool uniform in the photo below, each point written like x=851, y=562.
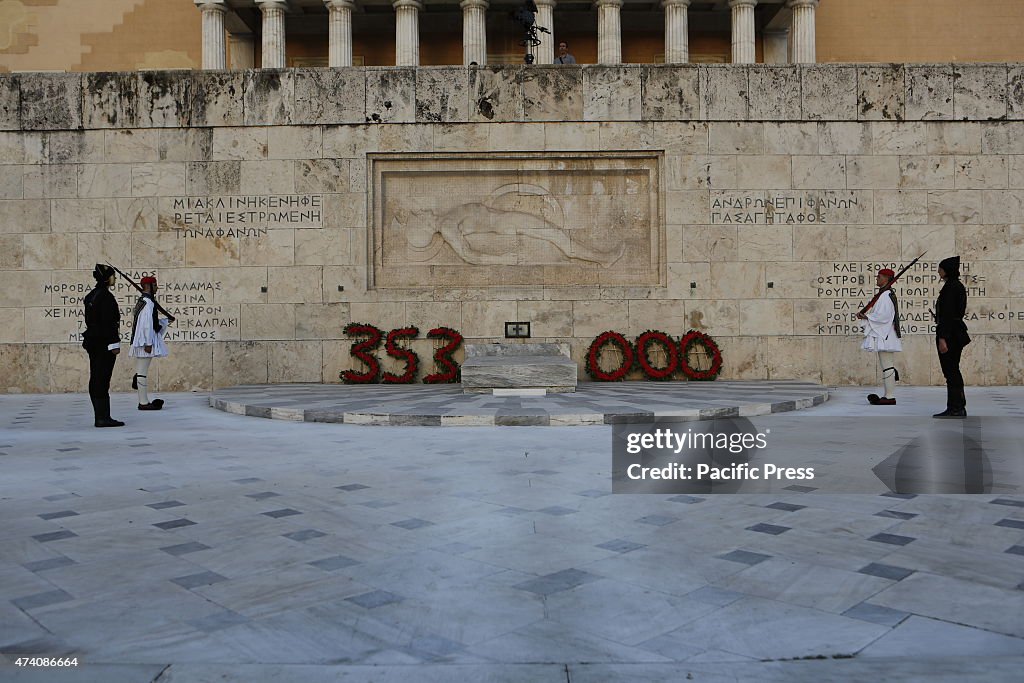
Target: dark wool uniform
x=950, y=308
x=102, y=336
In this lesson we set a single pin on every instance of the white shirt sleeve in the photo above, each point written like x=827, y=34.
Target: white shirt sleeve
x=880, y=317
x=144, y=333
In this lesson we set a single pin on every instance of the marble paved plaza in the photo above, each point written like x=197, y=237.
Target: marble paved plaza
x=198, y=545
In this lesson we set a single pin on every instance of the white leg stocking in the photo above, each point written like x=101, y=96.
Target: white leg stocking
x=886, y=360
x=141, y=371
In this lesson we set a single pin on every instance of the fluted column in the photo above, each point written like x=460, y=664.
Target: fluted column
x=407, y=32
x=273, y=33
x=215, y=55
x=609, y=32
x=677, y=31
x=743, y=48
x=546, y=17
x=474, y=31
x=340, y=32
x=803, y=34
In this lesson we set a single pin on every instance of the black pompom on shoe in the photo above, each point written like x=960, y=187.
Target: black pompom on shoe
x=873, y=399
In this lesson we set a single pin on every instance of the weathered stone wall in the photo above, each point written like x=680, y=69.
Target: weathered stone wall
x=762, y=199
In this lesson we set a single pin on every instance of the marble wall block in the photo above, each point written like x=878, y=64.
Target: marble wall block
x=51, y=181
x=51, y=101
x=322, y=320
x=929, y=92
x=938, y=239
x=442, y=95
x=12, y=182
x=274, y=248
x=774, y=93
x=766, y=317
x=24, y=368
x=1004, y=206
x=819, y=242
x=78, y=215
x=314, y=176
x=390, y=95
x=23, y=215
x=240, y=144
x=736, y=138
x=138, y=214
x=738, y=280
x=185, y=143
x=217, y=98
x=979, y=92
x=667, y=315
x=25, y=288
x=269, y=97
x=110, y=100
x=773, y=172
x=495, y=94
x=78, y=146
x=743, y=358
x=12, y=253
x=242, y=362
x=132, y=145
x=865, y=243
x=212, y=252
x=872, y=172
x=330, y=96
x=295, y=142
x=671, y=93
x=927, y=172
x=96, y=248
x=295, y=284
x=164, y=99
x=10, y=102
x=991, y=172
x=703, y=171
x=611, y=93
x=12, y=147
x=680, y=137
x=844, y=138
x=881, y=93
x=724, y=93
x=983, y=242
x=1016, y=175
x=829, y=92
x=268, y=321
x=387, y=315
x=1002, y=138
x=955, y=206
x=710, y=243
x=900, y=207
x=954, y=138
x=1014, y=93
x=205, y=178
x=157, y=250
x=547, y=318
x=909, y=137
x=819, y=172
x=794, y=358
x=189, y=367
x=295, y=361
x=158, y=180
x=456, y=137
x=12, y=325
x=590, y=318
x=791, y=138
x=268, y=177
x=552, y=93
x=51, y=251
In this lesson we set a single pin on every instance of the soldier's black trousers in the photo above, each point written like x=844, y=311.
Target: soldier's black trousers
x=101, y=368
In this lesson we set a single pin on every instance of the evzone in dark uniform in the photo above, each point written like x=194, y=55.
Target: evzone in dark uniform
x=882, y=336
x=102, y=339
x=148, y=330
x=951, y=336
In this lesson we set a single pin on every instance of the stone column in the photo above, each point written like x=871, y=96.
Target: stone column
x=545, y=53
x=609, y=32
x=214, y=45
x=776, y=46
x=407, y=32
x=677, y=31
x=474, y=31
x=241, y=51
x=803, y=30
x=743, y=48
x=273, y=33
x=340, y=23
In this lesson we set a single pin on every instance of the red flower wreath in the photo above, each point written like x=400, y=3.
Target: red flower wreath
x=620, y=342
x=449, y=369
x=363, y=351
x=643, y=357
x=395, y=351
x=691, y=339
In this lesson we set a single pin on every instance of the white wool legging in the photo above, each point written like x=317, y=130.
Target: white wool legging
x=142, y=370
x=886, y=359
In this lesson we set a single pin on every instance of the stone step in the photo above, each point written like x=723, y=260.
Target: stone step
x=517, y=366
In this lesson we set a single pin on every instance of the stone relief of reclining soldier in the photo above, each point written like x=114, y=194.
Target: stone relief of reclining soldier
x=495, y=231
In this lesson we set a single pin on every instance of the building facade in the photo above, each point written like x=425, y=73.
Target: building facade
x=126, y=35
